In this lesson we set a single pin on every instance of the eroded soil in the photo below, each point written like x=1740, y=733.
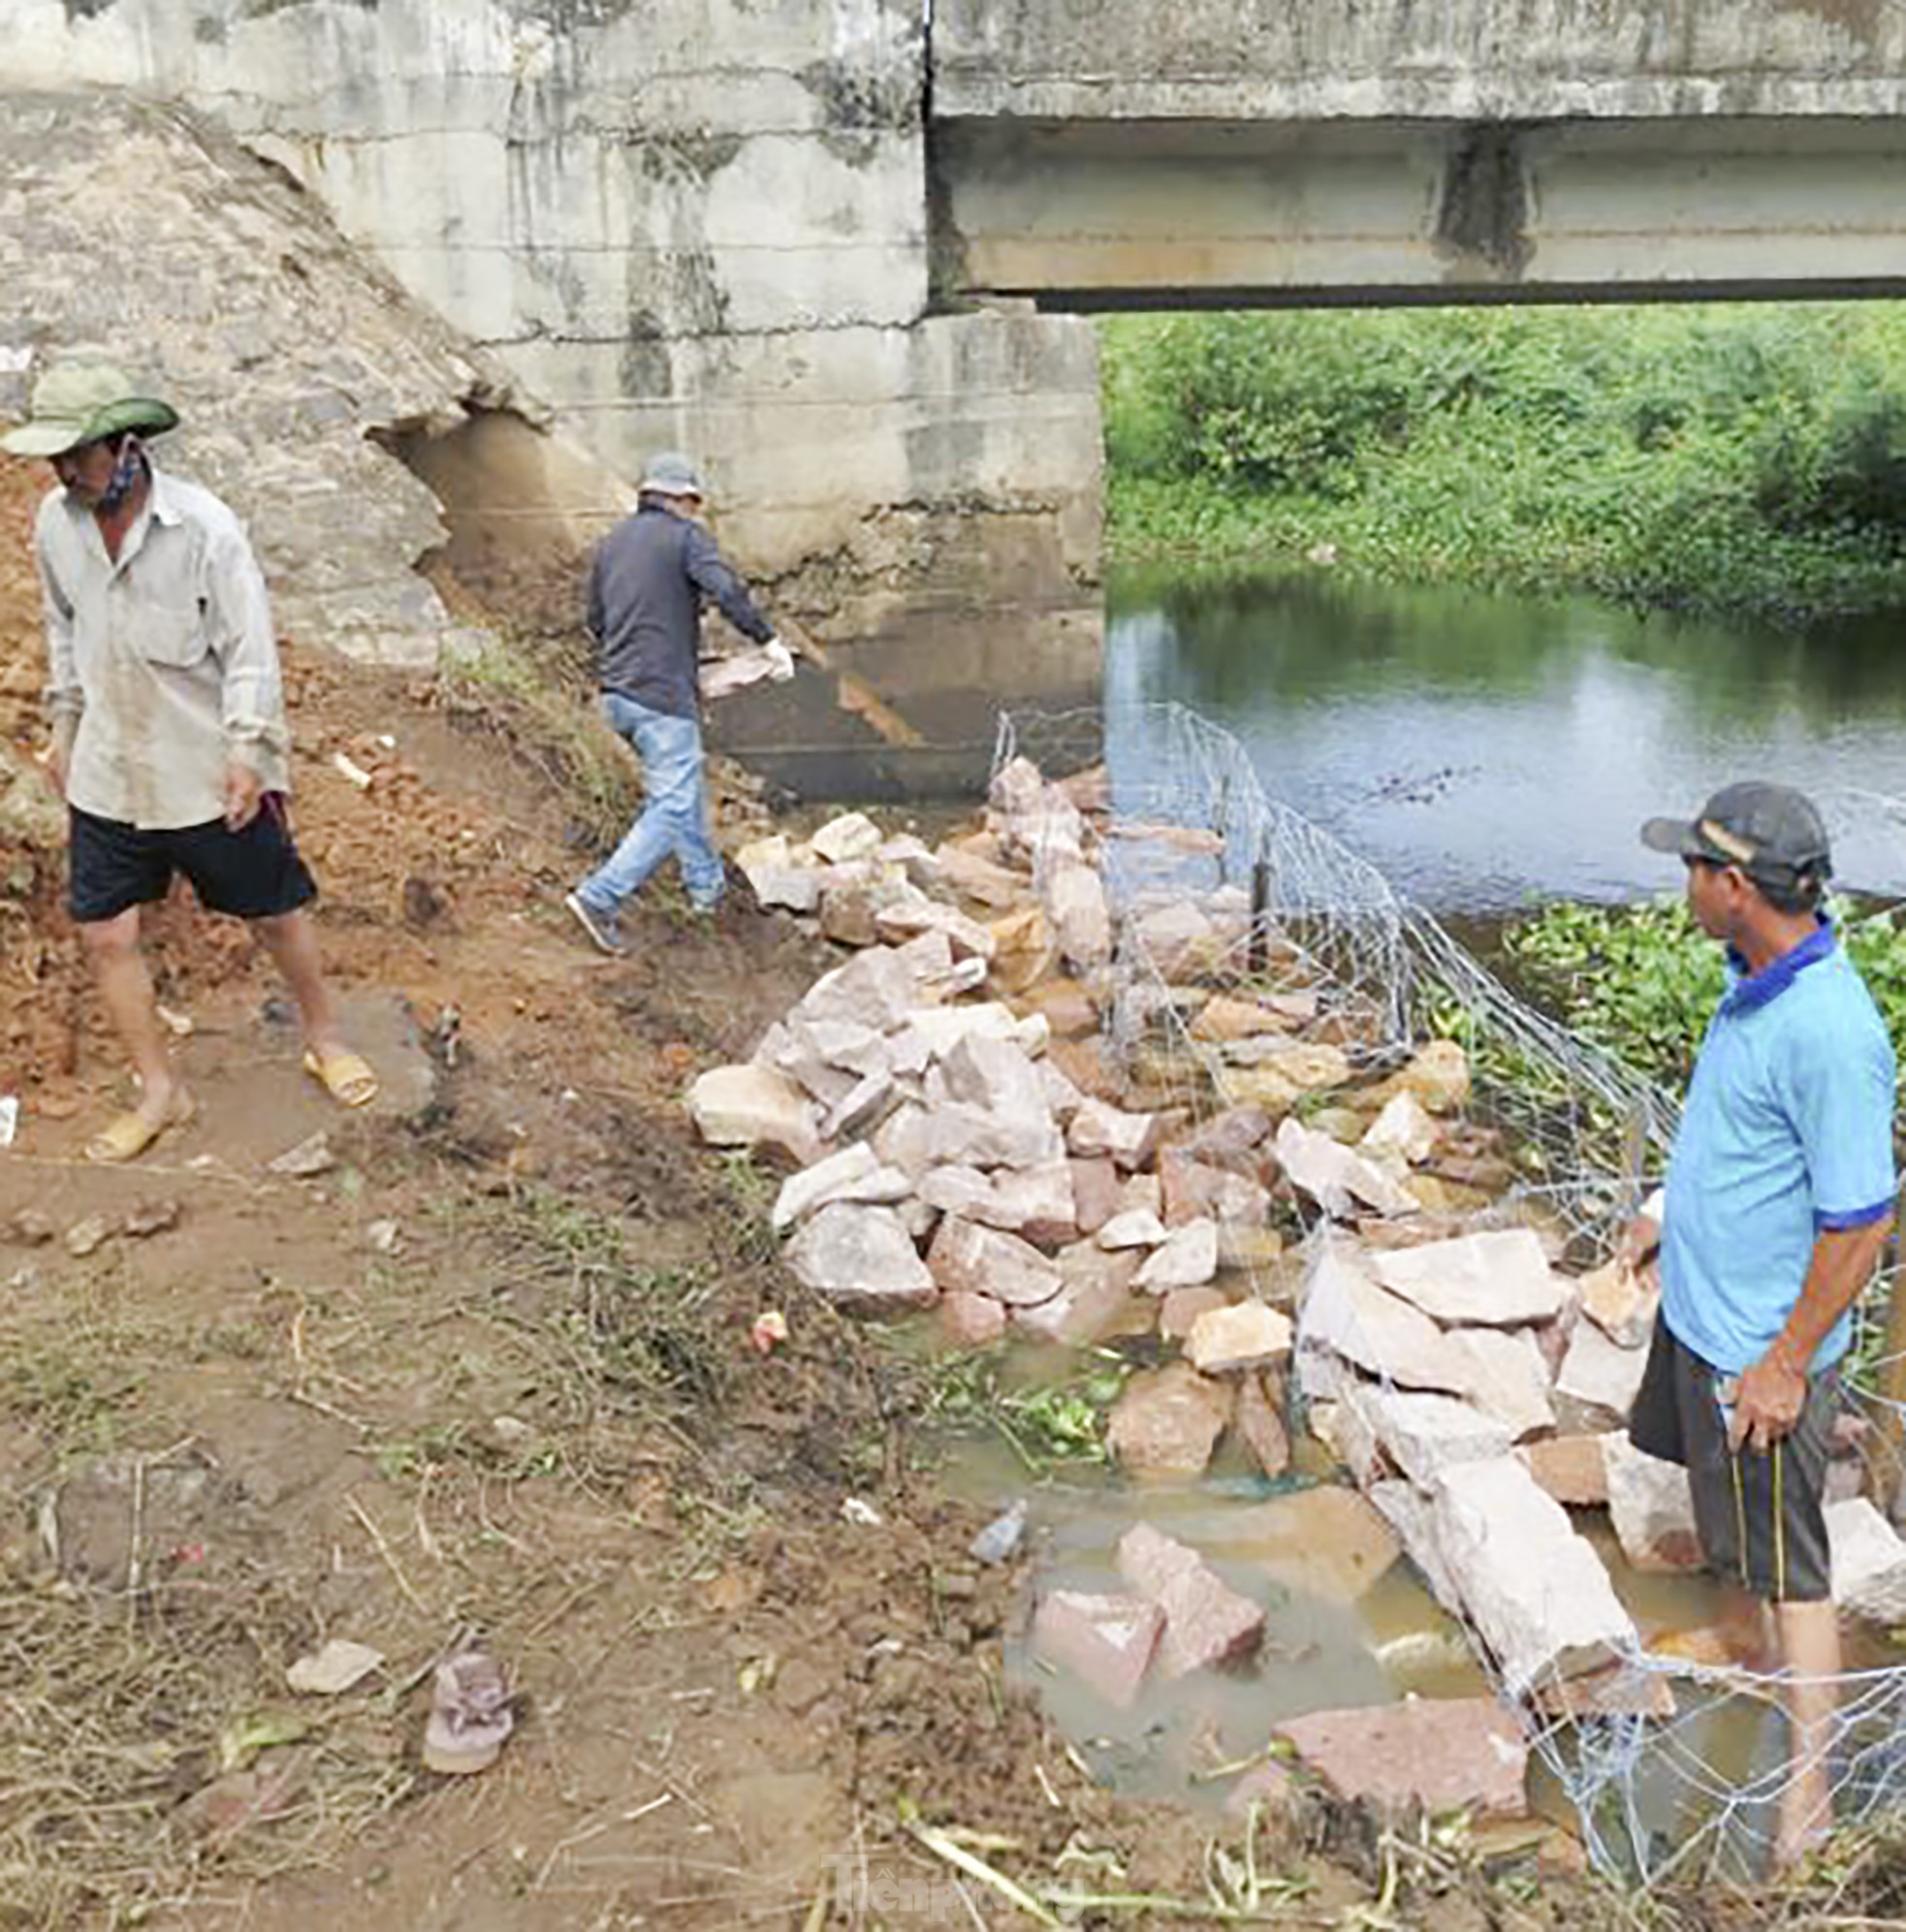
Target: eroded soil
x=487, y=1377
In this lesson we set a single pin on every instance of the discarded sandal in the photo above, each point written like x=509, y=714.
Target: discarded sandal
x=127, y=1137
x=469, y=1715
x=345, y=1075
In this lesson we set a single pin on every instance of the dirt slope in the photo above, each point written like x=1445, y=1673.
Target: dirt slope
x=485, y=1376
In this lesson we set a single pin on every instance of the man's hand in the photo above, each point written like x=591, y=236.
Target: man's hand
x=1769, y=1402
x=781, y=660
x=243, y=791
x=1638, y=1241
x=53, y=763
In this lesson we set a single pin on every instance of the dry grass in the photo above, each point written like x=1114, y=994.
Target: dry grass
x=150, y=1755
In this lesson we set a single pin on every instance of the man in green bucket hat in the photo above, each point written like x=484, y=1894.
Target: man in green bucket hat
x=169, y=744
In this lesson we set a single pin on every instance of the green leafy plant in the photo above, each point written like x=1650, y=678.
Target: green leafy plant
x=1643, y=980
x=1043, y=1423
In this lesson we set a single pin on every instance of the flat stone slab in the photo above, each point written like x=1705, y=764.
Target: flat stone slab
x=1572, y=1469
x=1600, y=1373
x=1100, y=1128
x=1869, y=1562
x=1180, y=1311
x=1206, y=1621
x=1347, y=1313
x=1336, y=1177
x=854, y=1174
x=1189, y=1259
x=1651, y=1508
x=1535, y=1591
x=1245, y=1336
x=743, y=1106
x=1258, y=1423
x=971, y=1320
x=1422, y=1432
x=1619, y=1304
x=861, y=1258
x=968, y=1258
x=1507, y=1377
x=1405, y=1510
x=1500, y=1278
x=1403, y=1127
x=1135, y=1227
x=1443, y=1755
x=1107, y=1643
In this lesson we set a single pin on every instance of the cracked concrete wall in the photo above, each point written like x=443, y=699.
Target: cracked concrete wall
x=1255, y=61
x=140, y=233
x=691, y=226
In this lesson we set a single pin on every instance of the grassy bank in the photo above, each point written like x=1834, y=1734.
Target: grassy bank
x=1733, y=459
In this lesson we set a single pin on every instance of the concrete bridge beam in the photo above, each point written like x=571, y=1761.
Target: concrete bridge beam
x=1110, y=214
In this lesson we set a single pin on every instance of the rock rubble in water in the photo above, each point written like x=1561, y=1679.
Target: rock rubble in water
x=1050, y=1113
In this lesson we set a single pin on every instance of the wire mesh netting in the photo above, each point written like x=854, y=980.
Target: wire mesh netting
x=1672, y=1763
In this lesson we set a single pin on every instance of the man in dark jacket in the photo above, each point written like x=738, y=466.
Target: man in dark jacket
x=651, y=576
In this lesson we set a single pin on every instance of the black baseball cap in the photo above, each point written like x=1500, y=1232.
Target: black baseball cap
x=1772, y=832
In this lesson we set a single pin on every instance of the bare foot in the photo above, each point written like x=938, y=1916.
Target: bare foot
x=1805, y=1821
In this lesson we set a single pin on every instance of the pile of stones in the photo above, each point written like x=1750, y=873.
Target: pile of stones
x=1037, y=1115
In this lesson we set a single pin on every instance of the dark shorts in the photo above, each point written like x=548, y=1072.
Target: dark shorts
x=251, y=875
x=1758, y=1510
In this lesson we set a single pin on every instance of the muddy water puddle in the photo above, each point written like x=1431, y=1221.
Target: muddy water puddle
x=1348, y=1624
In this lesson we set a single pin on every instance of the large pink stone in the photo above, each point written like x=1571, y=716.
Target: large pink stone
x=1167, y=1421
x=1108, y=1642
x=973, y=1321
x=1442, y=1753
x=1205, y=1620
x=968, y=1258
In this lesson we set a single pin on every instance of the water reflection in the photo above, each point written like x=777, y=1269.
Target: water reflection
x=1481, y=751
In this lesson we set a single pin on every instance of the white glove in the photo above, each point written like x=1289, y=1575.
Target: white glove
x=781, y=660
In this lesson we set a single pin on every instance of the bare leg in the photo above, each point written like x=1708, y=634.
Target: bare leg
x=292, y=940
x=126, y=986
x=1810, y=1648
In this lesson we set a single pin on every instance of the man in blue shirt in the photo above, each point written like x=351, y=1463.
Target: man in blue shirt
x=1779, y=1200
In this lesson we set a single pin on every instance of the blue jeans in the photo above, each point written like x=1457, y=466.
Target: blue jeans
x=673, y=813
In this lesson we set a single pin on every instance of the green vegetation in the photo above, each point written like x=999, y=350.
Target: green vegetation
x=1642, y=980
x=1746, y=460
x=1042, y=1423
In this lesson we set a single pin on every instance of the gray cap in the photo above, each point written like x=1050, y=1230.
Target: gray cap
x=670, y=473
x=1772, y=832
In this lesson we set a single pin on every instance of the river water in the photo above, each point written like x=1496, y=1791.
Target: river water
x=1483, y=750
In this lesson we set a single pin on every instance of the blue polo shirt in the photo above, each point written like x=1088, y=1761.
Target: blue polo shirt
x=1788, y=1131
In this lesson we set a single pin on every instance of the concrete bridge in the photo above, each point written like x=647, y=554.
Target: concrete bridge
x=826, y=243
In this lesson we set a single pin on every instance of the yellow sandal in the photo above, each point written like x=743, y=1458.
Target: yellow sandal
x=345, y=1075
x=127, y=1137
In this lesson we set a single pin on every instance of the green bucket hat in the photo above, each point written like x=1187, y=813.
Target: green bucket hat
x=83, y=402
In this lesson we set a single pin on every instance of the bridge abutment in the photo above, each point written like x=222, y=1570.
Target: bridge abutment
x=682, y=227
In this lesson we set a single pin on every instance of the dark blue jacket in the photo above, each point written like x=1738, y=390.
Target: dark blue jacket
x=651, y=576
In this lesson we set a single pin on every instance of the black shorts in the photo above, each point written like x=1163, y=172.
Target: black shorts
x=1758, y=1510
x=251, y=875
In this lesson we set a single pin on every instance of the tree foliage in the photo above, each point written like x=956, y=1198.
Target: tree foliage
x=1724, y=457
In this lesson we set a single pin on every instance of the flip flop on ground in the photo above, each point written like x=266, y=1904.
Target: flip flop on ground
x=127, y=1137
x=345, y=1075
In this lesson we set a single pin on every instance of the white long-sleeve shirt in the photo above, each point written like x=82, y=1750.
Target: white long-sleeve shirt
x=163, y=664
